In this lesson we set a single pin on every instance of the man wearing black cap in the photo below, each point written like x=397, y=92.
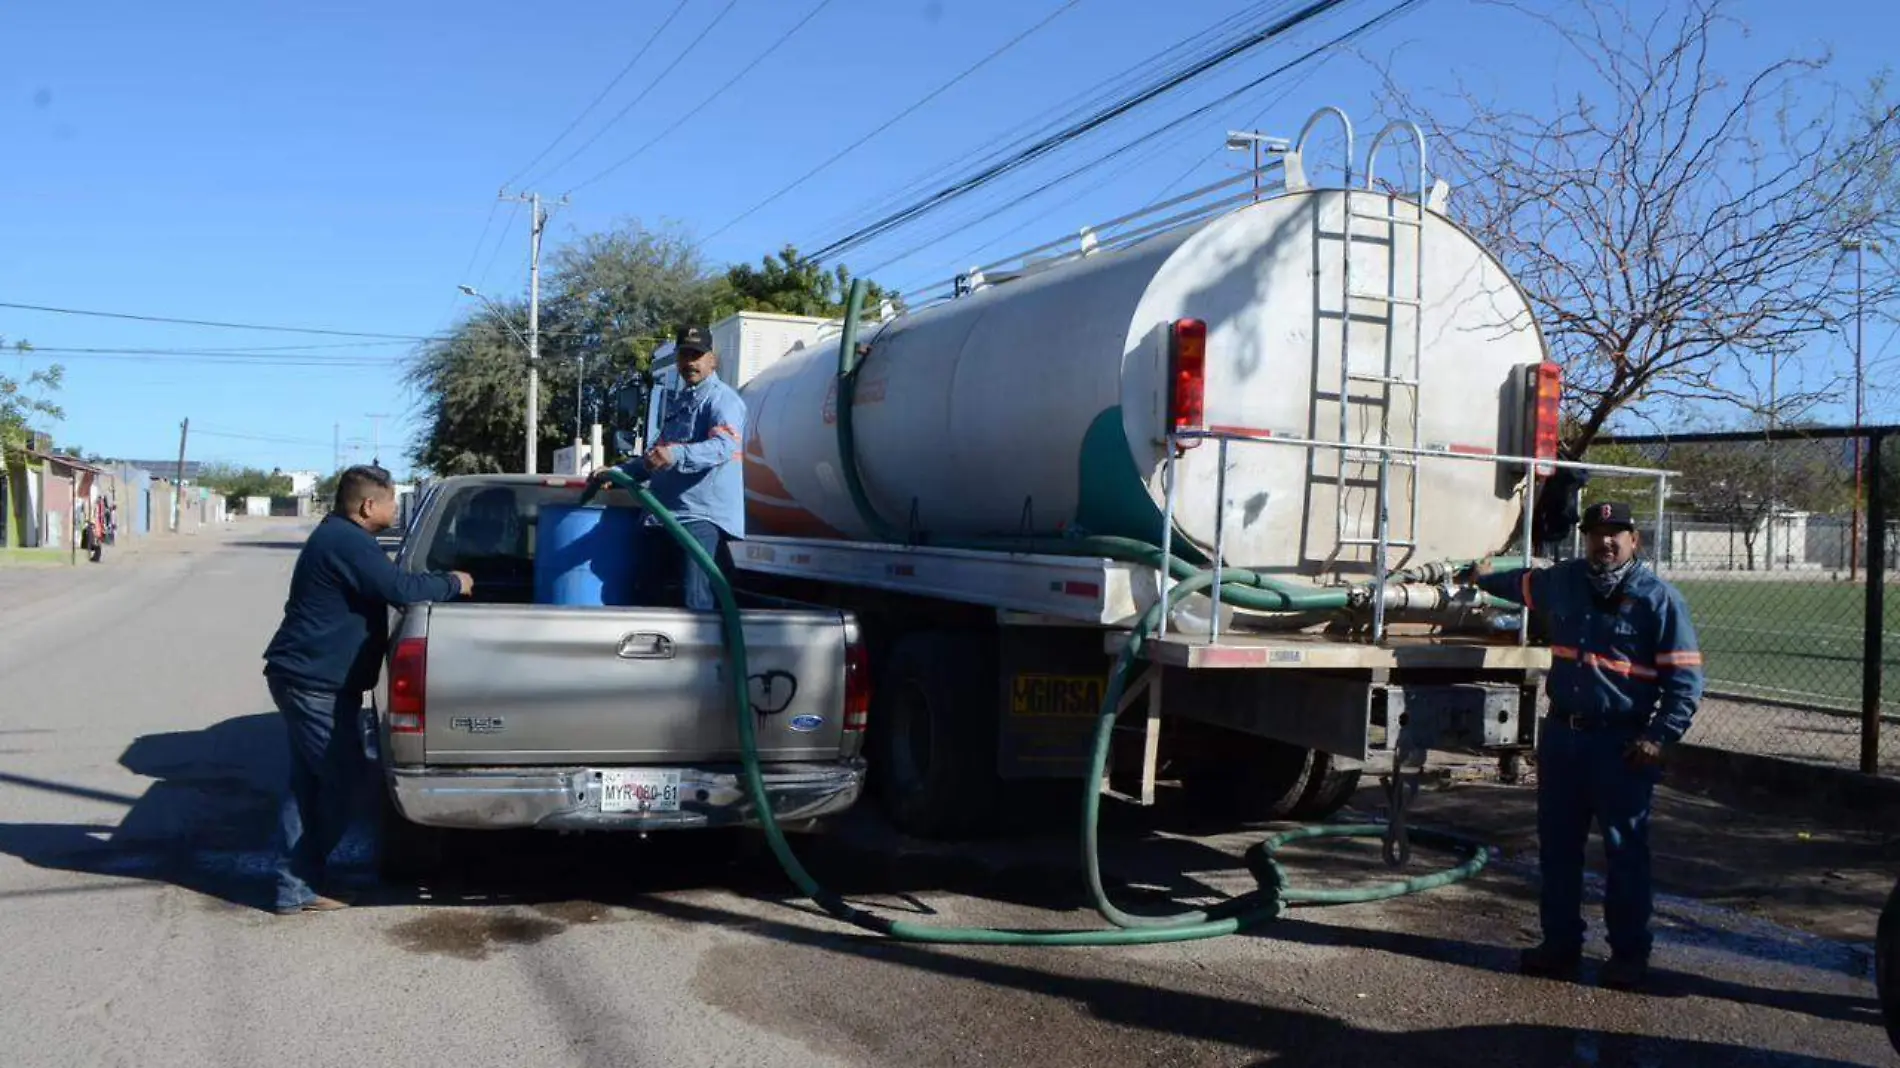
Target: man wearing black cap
x=694, y=469
x=1625, y=678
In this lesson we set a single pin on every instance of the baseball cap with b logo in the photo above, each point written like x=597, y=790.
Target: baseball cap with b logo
x=1614, y=514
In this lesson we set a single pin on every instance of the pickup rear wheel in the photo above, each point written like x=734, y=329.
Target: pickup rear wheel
x=409, y=852
x=933, y=736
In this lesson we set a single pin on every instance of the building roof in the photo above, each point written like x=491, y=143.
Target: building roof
x=165, y=469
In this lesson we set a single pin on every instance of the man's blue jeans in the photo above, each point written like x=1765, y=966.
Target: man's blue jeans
x=1582, y=778
x=328, y=775
x=667, y=578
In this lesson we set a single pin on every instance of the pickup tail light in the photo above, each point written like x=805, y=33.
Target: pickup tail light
x=857, y=687
x=408, y=680
x=1547, y=381
x=1187, y=377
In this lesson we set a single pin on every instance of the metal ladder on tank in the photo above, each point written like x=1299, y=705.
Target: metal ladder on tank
x=1394, y=378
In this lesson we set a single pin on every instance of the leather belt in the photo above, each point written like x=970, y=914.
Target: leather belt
x=1588, y=723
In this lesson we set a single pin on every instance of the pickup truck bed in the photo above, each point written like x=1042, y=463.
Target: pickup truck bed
x=507, y=715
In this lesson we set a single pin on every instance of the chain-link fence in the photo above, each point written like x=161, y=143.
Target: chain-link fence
x=1764, y=541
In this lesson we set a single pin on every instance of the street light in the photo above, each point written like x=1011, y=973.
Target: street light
x=1859, y=249
x=1242, y=140
x=534, y=373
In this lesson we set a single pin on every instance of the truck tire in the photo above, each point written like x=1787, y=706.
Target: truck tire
x=1328, y=789
x=408, y=852
x=933, y=734
x=1255, y=780
x=1887, y=966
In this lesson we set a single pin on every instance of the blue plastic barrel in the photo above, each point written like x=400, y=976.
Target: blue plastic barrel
x=585, y=556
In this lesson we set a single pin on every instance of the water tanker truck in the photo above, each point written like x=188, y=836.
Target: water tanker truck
x=1309, y=404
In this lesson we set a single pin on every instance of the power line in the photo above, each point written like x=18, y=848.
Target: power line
x=657, y=79
x=211, y=323
x=228, y=360
x=602, y=95
x=274, y=439
x=1164, y=144
x=895, y=119
x=500, y=243
x=1027, y=132
x=990, y=174
x=744, y=69
x=219, y=351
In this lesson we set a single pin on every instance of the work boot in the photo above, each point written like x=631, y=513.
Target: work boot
x=1550, y=962
x=315, y=904
x=1624, y=973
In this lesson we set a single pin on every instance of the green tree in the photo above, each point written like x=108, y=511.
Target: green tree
x=610, y=299
x=22, y=401
x=1742, y=484
x=236, y=483
x=790, y=284
x=473, y=390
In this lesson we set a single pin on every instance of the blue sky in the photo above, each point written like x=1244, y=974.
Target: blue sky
x=334, y=165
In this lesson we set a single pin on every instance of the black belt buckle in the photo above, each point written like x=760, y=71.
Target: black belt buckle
x=1577, y=723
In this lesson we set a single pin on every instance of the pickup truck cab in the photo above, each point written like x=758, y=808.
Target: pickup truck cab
x=495, y=712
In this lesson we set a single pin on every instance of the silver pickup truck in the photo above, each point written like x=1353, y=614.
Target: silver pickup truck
x=497, y=712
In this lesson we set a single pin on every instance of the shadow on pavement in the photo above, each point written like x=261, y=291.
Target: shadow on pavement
x=206, y=824
x=1285, y=1036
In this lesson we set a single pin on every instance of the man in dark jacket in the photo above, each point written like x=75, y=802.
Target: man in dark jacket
x=1625, y=679
x=329, y=650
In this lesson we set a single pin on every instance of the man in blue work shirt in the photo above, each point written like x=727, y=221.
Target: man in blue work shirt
x=1625, y=678
x=328, y=650
x=694, y=468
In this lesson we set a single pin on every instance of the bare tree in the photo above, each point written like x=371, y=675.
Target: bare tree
x=1745, y=484
x=1678, y=229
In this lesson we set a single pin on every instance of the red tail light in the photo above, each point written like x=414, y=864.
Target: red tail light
x=1547, y=413
x=857, y=687
x=1187, y=376
x=408, y=677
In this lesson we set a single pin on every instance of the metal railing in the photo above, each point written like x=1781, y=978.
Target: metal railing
x=1381, y=572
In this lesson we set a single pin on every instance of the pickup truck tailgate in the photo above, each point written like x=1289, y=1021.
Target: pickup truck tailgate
x=546, y=685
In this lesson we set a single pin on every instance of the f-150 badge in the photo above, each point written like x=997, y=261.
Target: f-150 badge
x=478, y=724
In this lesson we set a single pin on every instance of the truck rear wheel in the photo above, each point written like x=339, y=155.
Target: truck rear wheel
x=1328, y=788
x=408, y=852
x=933, y=745
x=1246, y=779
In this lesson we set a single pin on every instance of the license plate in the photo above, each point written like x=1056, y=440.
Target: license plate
x=641, y=790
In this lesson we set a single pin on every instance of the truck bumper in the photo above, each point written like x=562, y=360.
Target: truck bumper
x=568, y=798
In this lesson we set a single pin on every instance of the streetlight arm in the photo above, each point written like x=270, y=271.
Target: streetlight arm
x=499, y=317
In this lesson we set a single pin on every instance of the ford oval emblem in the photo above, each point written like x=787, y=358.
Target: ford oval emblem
x=807, y=723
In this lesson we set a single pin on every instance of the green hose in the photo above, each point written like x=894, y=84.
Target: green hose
x=1241, y=587
x=1267, y=903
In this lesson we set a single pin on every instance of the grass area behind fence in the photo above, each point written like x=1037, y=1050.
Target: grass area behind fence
x=1786, y=640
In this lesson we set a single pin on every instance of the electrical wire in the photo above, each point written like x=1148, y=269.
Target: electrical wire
x=1033, y=129
x=657, y=79
x=744, y=69
x=598, y=97
x=210, y=323
x=900, y=116
x=963, y=188
x=1164, y=144
x=514, y=212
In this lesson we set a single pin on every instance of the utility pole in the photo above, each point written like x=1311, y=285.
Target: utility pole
x=336, y=447
x=537, y=222
x=376, y=437
x=1859, y=249
x=178, y=485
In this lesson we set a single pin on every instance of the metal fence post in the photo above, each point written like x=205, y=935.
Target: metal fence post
x=1875, y=631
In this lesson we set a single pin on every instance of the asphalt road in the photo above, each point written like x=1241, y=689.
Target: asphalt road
x=138, y=765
